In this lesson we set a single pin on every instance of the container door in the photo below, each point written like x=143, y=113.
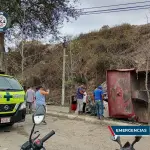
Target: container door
x=119, y=94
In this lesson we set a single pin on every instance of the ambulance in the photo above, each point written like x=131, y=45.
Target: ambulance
x=12, y=100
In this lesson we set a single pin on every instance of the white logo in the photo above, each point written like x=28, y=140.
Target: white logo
x=3, y=21
x=6, y=107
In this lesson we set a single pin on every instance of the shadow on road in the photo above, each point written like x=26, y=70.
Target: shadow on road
x=17, y=128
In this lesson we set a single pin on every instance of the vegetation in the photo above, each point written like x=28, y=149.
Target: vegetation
x=37, y=17
x=92, y=54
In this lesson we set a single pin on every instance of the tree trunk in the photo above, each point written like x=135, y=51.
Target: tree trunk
x=2, y=51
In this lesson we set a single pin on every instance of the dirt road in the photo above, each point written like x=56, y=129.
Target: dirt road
x=70, y=135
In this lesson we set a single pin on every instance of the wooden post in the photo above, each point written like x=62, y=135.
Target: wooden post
x=71, y=69
x=2, y=51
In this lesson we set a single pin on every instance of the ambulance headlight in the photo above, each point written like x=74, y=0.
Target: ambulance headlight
x=23, y=106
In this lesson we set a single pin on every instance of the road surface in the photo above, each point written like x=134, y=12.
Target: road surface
x=70, y=135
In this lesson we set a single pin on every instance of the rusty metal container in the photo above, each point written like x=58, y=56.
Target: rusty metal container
x=126, y=95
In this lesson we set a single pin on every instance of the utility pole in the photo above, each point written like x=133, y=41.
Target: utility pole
x=147, y=19
x=64, y=71
x=71, y=69
x=6, y=62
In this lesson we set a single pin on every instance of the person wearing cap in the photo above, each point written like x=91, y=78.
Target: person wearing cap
x=98, y=100
x=40, y=98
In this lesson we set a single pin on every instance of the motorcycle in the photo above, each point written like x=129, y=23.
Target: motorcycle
x=35, y=143
x=127, y=145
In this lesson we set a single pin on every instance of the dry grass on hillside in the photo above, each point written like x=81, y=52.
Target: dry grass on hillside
x=122, y=46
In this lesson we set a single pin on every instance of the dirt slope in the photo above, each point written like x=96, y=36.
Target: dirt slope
x=92, y=54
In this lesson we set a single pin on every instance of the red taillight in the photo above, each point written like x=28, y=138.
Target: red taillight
x=37, y=142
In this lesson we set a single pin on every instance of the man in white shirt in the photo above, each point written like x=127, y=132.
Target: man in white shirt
x=30, y=97
x=84, y=101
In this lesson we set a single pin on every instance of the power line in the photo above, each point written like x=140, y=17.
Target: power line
x=125, y=4
x=116, y=9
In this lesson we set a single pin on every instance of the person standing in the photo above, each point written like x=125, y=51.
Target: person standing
x=30, y=98
x=98, y=100
x=85, y=100
x=40, y=99
x=80, y=94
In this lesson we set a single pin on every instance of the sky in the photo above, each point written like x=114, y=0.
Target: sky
x=87, y=23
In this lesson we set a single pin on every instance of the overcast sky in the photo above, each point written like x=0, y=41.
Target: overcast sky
x=88, y=23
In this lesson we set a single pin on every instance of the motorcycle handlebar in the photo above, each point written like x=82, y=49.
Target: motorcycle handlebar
x=47, y=136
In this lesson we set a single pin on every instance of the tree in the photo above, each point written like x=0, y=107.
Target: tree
x=37, y=17
x=105, y=27
x=34, y=18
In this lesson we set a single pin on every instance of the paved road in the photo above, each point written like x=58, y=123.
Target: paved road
x=70, y=135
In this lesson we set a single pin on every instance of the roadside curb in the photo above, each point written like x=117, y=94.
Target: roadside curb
x=88, y=119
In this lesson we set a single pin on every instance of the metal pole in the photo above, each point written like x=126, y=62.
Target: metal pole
x=2, y=51
x=6, y=63
x=64, y=71
x=71, y=67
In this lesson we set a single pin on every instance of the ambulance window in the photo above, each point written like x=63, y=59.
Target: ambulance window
x=9, y=83
x=14, y=84
x=3, y=83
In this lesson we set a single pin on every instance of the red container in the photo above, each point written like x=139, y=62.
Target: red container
x=127, y=96
x=119, y=93
x=73, y=107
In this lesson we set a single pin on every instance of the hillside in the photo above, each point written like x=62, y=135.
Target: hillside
x=122, y=46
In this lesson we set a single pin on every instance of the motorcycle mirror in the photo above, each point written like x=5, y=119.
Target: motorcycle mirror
x=39, y=115
x=116, y=139
x=38, y=119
